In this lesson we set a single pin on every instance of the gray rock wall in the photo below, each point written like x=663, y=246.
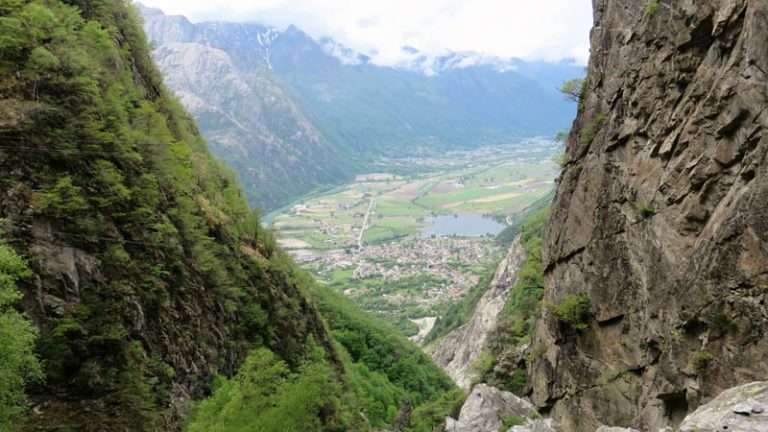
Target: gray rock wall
x=661, y=217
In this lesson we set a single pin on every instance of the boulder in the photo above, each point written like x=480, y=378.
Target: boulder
x=740, y=409
x=487, y=407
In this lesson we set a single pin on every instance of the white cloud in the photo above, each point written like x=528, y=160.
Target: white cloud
x=532, y=30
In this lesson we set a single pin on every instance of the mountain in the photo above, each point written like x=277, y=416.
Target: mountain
x=292, y=113
x=656, y=250
x=221, y=74
x=135, y=281
x=138, y=291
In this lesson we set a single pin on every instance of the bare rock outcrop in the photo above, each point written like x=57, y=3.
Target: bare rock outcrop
x=661, y=218
x=487, y=407
x=456, y=351
x=740, y=409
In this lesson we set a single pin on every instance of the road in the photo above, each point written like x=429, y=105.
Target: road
x=365, y=222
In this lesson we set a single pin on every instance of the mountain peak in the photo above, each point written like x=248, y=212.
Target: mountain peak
x=148, y=10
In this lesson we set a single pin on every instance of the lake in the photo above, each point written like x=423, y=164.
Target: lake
x=462, y=224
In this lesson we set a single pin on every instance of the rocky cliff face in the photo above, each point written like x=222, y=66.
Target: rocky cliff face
x=456, y=351
x=661, y=217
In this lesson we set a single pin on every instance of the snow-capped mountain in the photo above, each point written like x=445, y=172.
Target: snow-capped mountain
x=434, y=65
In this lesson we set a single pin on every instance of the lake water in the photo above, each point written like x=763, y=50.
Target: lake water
x=462, y=224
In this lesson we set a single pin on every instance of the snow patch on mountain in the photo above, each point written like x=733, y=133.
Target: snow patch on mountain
x=265, y=41
x=345, y=55
x=430, y=65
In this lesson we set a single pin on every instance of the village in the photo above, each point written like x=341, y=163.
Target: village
x=431, y=270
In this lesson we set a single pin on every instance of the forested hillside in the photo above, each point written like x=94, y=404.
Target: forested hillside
x=382, y=373
x=149, y=276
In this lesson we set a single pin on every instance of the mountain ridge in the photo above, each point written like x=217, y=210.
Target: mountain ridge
x=428, y=64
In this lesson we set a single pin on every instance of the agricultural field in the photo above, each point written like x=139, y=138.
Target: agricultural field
x=370, y=239
x=498, y=182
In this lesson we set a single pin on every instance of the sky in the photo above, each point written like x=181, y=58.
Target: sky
x=548, y=30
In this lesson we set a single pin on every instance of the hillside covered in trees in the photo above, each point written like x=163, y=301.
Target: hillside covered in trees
x=145, y=282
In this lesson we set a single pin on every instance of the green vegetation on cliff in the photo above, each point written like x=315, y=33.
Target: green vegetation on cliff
x=519, y=220
x=460, y=312
x=381, y=348
x=529, y=222
x=516, y=320
x=381, y=371
x=18, y=363
x=109, y=179
x=573, y=312
x=519, y=313
x=266, y=395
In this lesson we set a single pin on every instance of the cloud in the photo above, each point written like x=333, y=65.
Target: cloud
x=533, y=30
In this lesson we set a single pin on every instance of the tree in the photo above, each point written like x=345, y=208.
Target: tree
x=11, y=37
x=572, y=89
x=18, y=363
x=266, y=396
x=64, y=200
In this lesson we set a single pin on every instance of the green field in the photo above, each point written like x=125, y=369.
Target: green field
x=498, y=183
